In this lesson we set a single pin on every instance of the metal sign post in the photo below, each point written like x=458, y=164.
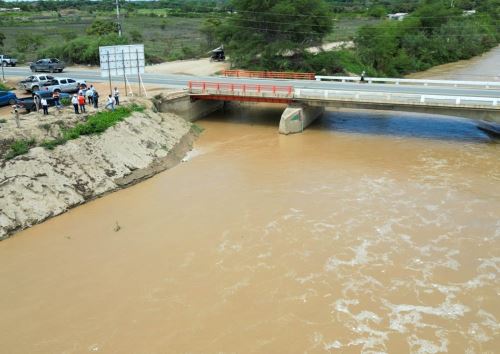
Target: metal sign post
x=138, y=72
x=109, y=77
x=3, y=74
x=124, y=75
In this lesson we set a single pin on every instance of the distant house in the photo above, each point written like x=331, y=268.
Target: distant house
x=10, y=9
x=469, y=12
x=399, y=16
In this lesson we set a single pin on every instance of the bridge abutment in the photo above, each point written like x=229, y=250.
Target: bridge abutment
x=180, y=103
x=297, y=117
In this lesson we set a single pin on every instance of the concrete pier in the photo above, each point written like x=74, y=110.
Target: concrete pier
x=297, y=117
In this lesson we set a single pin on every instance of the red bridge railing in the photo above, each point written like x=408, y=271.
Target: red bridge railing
x=269, y=74
x=223, y=91
x=204, y=87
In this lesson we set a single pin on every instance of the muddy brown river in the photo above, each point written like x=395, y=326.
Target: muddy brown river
x=371, y=232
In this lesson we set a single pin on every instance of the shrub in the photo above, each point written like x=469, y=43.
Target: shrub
x=20, y=147
x=3, y=87
x=65, y=101
x=51, y=144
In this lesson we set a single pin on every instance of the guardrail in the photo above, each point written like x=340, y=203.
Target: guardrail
x=396, y=81
x=398, y=98
x=235, y=89
x=269, y=74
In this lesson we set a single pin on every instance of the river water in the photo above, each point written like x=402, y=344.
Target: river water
x=370, y=232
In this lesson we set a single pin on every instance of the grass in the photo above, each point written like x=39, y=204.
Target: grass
x=20, y=147
x=95, y=124
x=3, y=87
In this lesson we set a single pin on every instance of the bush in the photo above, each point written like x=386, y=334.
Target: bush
x=65, y=101
x=337, y=62
x=19, y=147
x=3, y=87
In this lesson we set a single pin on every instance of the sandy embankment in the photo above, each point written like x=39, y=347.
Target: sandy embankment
x=44, y=183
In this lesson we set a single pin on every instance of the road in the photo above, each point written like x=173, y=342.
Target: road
x=181, y=81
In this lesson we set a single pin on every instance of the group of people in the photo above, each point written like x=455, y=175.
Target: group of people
x=79, y=100
x=92, y=97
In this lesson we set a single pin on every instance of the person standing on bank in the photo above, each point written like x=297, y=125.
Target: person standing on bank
x=45, y=106
x=111, y=103
x=90, y=94
x=56, y=97
x=116, y=95
x=74, y=101
x=95, y=98
x=81, y=103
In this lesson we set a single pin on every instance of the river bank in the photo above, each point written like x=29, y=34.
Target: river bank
x=43, y=183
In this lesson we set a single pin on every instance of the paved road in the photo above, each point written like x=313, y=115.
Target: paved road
x=178, y=81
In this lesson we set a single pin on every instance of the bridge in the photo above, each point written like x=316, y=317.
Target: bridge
x=307, y=94
x=307, y=99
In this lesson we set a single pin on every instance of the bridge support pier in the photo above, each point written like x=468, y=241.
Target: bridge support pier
x=297, y=117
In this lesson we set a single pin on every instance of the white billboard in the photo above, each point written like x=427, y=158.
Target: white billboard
x=119, y=60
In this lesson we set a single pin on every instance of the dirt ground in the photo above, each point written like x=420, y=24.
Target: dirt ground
x=202, y=67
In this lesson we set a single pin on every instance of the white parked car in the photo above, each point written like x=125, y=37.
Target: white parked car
x=63, y=84
x=6, y=60
x=33, y=82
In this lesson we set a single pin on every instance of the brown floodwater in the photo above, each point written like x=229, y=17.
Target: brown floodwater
x=371, y=232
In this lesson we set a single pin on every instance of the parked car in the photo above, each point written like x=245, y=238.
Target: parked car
x=62, y=84
x=7, y=60
x=28, y=103
x=49, y=64
x=33, y=83
x=7, y=98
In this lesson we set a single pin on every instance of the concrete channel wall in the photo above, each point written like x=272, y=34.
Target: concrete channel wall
x=181, y=104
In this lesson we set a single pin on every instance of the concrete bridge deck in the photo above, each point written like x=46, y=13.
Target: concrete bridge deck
x=480, y=104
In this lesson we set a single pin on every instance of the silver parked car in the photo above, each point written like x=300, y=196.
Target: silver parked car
x=63, y=84
x=33, y=82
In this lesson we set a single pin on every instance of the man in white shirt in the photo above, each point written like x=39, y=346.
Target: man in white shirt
x=110, y=103
x=74, y=102
x=45, y=106
x=116, y=94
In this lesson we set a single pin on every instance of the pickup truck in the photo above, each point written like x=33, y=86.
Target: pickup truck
x=7, y=60
x=62, y=84
x=34, y=82
x=50, y=64
x=28, y=103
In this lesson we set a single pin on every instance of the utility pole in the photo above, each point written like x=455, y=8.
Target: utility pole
x=118, y=18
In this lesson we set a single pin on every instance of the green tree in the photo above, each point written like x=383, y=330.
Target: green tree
x=102, y=28
x=273, y=34
x=2, y=38
x=28, y=41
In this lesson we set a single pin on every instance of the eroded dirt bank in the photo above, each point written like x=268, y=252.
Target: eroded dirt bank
x=44, y=183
